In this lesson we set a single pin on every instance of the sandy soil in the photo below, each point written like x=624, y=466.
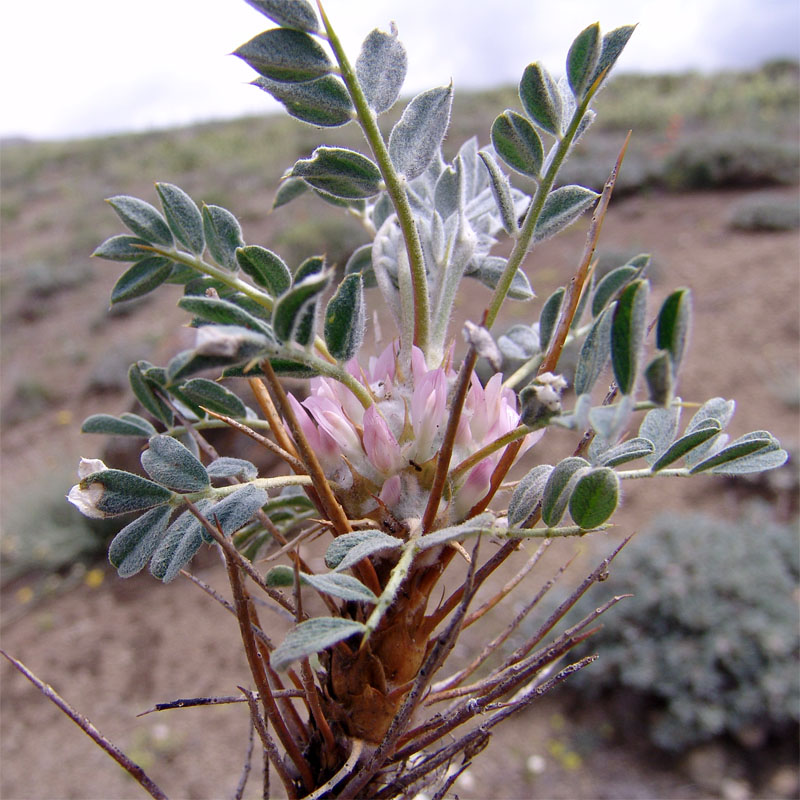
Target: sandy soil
x=114, y=649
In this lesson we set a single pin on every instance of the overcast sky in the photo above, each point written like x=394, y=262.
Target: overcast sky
x=89, y=67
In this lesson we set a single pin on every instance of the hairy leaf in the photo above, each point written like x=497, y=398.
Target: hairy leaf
x=285, y=54
x=340, y=172
x=214, y=396
x=627, y=334
x=132, y=547
x=594, y=353
x=610, y=285
x=417, y=136
x=594, y=498
x=227, y=467
x=561, y=209
x=528, y=495
x=515, y=140
x=313, y=636
x=124, y=425
x=686, y=443
x=672, y=330
x=626, y=451
x=298, y=14
x=350, y=548
x=559, y=487
x=123, y=492
x=289, y=311
x=141, y=279
x=582, y=59
x=660, y=425
x=323, y=102
x=381, y=69
x=334, y=583
x=541, y=99
x=169, y=463
x=183, y=217
x=223, y=235
x=142, y=219
x=122, y=248
x=501, y=191
x=549, y=316
x=265, y=268
x=345, y=319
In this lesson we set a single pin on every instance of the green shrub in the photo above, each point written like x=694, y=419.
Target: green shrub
x=760, y=212
x=727, y=160
x=711, y=637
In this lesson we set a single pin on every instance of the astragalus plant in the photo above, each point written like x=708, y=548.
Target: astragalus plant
x=397, y=456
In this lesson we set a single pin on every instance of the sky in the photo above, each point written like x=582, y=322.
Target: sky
x=93, y=67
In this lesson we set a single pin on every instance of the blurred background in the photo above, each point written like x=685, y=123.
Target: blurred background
x=97, y=103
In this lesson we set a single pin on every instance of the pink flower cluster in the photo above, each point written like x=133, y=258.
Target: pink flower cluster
x=388, y=450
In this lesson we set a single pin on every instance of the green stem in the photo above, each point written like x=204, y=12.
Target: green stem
x=220, y=274
x=335, y=371
x=395, y=186
x=535, y=210
x=487, y=450
x=632, y=474
x=218, y=492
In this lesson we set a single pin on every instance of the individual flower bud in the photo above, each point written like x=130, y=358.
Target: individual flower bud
x=541, y=399
x=86, y=499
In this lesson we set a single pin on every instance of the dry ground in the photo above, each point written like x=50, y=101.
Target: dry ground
x=116, y=649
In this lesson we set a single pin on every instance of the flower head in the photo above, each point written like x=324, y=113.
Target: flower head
x=386, y=454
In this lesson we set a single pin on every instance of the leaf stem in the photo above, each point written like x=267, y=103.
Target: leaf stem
x=395, y=186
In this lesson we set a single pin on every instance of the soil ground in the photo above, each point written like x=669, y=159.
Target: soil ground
x=113, y=648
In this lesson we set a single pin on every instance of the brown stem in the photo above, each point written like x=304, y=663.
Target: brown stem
x=575, y=288
x=271, y=752
x=271, y=414
x=257, y=669
x=331, y=506
x=446, y=451
x=132, y=768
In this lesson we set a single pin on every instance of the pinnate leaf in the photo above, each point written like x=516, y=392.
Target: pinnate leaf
x=123, y=492
x=141, y=279
x=265, y=268
x=124, y=425
x=582, y=59
x=297, y=14
x=323, y=102
x=122, y=248
x=223, y=235
x=561, y=209
x=540, y=98
x=515, y=140
x=335, y=584
x=627, y=334
x=214, y=396
x=528, y=494
x=350, y=548
x=594, y=498
x=558, y=488
x=340, y=172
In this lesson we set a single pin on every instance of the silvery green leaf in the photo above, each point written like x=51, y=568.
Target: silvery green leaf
x=515, y=140
x=627, y=334
x=122, y=492
x=446, y=193
x=613, y=44
x=141, y=279
x=348, y=549
x=313, y=265
x=169, y=463
x=381, y=69
x=660, y=426
x=611, y=421
x=541, y=99
x=335, y=584
x=122, y=248
x=582, y=59
x=528, y=494
x=519, y=343
x=594, y=497
x=323, y=101
x=222, y=312
x=183, y=217
x=490, y=270
x=298, y=14
x=594, y=353
x=144, y=392
x=288, y=190
x=686, y=444
x=501, y=191
x=559, y=487
x=142, y=219
x=453, y=533
x=218, y=346
x=748, y=445
x=672, y=330
x=549, y=316
x=340, y=172
x=133, y=546
x=178, y=545
x=313, y=636
x=265, y=268
x=214, y=396
x=659, y=379
x=227, y=467
x=610, y=285
x=125, y=425
x=285, y=54
x=345, y=319
x=716, y=409
x=237, y=509
x=361, y=262
x=561, y=209
x=283, y=368
x=417, y=136
x=291, y=309
x=760, y=461
x=626, y=451
x=223, y=235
